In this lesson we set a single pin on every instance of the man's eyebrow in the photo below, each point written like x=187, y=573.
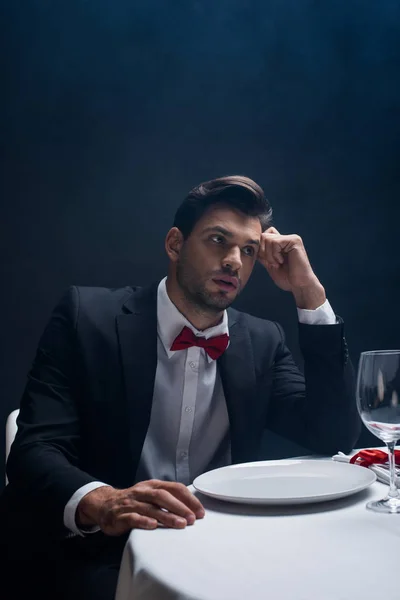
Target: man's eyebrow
x=228, y=233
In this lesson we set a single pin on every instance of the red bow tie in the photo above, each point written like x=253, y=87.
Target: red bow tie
x=214, y=346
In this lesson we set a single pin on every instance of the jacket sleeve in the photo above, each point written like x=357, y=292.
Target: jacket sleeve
x=318, y=409
x=43, y=461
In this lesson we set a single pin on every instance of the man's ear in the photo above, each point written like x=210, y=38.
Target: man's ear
x=173, y=243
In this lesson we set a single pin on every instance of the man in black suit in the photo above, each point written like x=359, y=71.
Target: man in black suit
x=134, y=392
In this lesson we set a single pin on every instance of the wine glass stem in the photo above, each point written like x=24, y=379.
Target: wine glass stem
x=393, y=491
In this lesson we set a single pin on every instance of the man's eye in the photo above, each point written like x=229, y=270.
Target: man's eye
x=249, y=250
x=218, y=239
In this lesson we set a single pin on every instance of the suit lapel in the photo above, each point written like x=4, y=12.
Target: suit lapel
x=137, y=336
x=236, y=367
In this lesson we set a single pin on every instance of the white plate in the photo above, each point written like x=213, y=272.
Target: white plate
x=284, y=482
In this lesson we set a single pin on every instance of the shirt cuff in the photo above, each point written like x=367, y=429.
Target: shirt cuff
x=72, y=504
x=323, y=315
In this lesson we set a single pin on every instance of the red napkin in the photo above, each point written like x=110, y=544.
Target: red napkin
x=368, y=457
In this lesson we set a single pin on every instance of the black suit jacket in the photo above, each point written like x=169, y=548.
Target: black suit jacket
x=87, y=403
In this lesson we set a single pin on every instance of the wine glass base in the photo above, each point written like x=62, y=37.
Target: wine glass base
x=386, y=505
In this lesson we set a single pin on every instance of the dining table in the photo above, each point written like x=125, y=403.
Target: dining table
x=331, y=550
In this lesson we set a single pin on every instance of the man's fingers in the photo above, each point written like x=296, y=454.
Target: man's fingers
x=135, y=521
x=147, y=504
x=164, y=499
x=182, y=493
x=142, y=515
x=148, y=517
x=277, y=252
x=153, y=512
x=272, y=230
x=271, y=252
x=166, y=518
x=275, y=246
x=128, y=521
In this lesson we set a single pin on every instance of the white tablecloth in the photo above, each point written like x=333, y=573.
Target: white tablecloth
x=329, y=551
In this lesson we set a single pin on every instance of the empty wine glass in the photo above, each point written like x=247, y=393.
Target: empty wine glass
x=378, y=393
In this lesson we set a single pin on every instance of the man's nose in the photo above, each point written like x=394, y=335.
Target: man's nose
x=233, y=260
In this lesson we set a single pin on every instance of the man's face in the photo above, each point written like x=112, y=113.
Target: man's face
x=216, y=260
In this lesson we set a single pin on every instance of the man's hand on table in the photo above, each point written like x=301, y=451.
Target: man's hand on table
x=139, y=507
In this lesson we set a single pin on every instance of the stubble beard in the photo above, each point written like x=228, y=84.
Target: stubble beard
x=196, y=293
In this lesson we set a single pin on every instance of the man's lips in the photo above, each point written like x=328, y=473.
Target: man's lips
x=227, y=282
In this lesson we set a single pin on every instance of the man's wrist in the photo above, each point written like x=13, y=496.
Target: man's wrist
x=88, y=508
x=310, y=297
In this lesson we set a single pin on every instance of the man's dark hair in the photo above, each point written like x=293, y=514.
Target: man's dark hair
x=236, y=191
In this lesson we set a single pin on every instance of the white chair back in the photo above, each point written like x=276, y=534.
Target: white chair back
x=11, y=430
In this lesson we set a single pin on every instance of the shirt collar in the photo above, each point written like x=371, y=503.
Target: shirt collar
x=170, y=321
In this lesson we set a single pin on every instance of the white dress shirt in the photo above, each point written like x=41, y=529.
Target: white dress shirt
x=189, y=426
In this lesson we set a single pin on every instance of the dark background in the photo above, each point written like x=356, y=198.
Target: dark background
x=112, y=111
